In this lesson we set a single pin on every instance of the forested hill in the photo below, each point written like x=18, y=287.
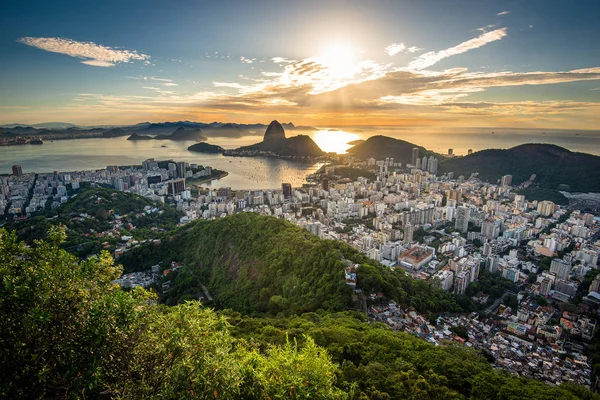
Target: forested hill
x=380, y=147
x=257, y=264
x=96, y=217
x=69, y=332
x=555, y=167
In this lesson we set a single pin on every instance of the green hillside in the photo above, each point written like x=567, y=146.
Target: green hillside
x=68, y=332
x=555, y=167
x=258, y=264
x=93, y=213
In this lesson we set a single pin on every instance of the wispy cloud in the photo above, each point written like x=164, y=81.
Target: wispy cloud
x=486, y=28
x=155, y=80
x=246, y=60
x=503, y=13
x=396, y=48
x=433, y=57
x=91, y=53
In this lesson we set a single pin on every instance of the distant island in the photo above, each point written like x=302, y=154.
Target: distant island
x=204, y=147
x=275, y=144
x=137, y=136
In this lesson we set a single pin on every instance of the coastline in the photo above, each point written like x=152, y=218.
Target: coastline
x=196, y=182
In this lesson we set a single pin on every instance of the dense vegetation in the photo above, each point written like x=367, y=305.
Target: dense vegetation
x=555, y=167
x=257, y=264
x=380, y=147
x=96, y=210
x=68, y=332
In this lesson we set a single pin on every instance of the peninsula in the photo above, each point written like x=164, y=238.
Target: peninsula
x=275, y=144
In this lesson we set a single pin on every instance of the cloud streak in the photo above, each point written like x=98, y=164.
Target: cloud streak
x=503, y=13
x=433, y=57
x=93, y=54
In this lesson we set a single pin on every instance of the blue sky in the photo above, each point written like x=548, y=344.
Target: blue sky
x=326, y=63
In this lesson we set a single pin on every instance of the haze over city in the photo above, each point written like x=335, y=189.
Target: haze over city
x=422, y=65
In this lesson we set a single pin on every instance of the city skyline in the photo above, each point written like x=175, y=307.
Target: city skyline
x=430, y=64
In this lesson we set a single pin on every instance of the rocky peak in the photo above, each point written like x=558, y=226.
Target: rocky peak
x=274, y=132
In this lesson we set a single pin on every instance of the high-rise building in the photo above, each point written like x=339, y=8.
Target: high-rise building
x=424, y=163
x=287, y=190
x=181, y=169
x=546, y=208
x=545, y=286
x=462, y=219
x=469, y=152
x=492, y=263
x=450, y=152
x=432, y=165
x=409, y=231
x=506, y=180
x=176, y=186
x=17, y=170
x=561, y=268
x=415, y=156
x=224, y=192
x=325, y=184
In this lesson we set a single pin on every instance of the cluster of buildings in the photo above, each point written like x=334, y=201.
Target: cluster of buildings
x=23, y=194
x=444, y=229
x=534, y=350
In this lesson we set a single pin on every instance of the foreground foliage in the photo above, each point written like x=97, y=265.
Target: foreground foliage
x=69, y=332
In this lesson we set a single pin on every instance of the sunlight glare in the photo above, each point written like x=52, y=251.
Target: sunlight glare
x=334, y=141
x=340, y=60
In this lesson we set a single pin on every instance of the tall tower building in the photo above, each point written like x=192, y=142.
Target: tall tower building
x=415, y=156
x=432, y=165
x=18, y=171
x=469, y=152
x=462, y=219
x=409, y=231
x=506, y=180
x=450, y=152
x=286, y=188
x=561, y=268
x=424, y=163
x=181, y=169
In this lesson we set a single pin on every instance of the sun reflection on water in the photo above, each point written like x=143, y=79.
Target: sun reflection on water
x=334, y=141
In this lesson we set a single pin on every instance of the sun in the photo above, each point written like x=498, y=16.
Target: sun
x=340, y=60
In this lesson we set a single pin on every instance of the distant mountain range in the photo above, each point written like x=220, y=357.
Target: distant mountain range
x=62, y=130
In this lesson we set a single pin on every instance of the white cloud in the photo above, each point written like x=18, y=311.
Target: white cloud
x=91, y=53
x=281, y=60
x=486, y=28
x=433, y=57
x=396, y=48
x=247, y=60
x=503, y=13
